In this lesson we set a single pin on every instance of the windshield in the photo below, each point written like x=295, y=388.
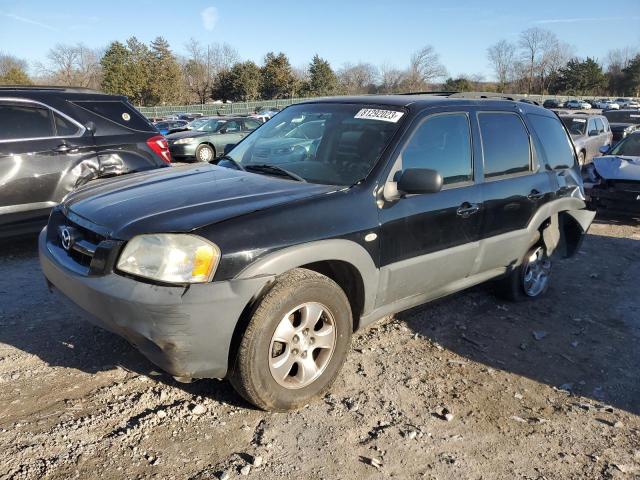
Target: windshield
x=576, y=126
x=622, y=117
x=333, y=144
x=629, y=146
x=208, y=125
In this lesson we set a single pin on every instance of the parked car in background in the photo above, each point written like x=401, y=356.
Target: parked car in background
x=577, y=105
x=622, y=122
x=210, y=139
x=264, y=113
x=53, y=140
x=606, y=104
x=633, y=104
x=628, y=103
x=612, y=182
x=260, y=271
x=165, y=127
x=553, y=103
x=589, y=134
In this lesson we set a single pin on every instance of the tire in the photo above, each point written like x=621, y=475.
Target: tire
x=517, y=287
x=278, y=375
x=205, y=153
x=581, y=158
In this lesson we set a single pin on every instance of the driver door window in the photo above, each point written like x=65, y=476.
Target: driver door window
x=442, y=143
x=231, y=127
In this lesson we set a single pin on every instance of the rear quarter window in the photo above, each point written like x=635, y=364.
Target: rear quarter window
x=556, y=145
x=118, y=112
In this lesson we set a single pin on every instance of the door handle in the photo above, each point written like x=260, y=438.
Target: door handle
x=535, y=195
x=64, y=148
x=467, y=209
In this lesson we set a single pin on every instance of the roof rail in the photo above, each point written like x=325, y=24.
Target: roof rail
x=437, y=93
x=57, y=88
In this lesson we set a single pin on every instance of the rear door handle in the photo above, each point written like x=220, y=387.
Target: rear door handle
x=535, y=195
x=467, y=209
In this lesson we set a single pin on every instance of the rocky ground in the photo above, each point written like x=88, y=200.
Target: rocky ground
x=467, y=387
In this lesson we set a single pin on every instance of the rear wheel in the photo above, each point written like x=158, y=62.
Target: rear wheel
x=295, y=343
x=530, y=279
x=205, y=153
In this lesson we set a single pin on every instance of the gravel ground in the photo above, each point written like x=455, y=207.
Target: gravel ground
x=466, y=387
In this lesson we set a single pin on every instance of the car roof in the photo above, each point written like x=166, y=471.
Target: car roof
x=419, y=101
x=44, y=92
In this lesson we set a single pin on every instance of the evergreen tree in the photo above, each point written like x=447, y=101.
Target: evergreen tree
x=139, y=68
x=15, y=76
x=580, y=78
x=115, y=71
x=277, y=77
x=166, y=76
x=240, y=84
x=322, y=79
x=632, y=77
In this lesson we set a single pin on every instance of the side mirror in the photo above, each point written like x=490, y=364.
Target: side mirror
x=419, y=181
x=593, y=133
x=90, y=127
x=604, y=149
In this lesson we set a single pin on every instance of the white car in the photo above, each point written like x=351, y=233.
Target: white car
x=633, y=104
x=578, y=104
x=606, y=104
x=627, y=103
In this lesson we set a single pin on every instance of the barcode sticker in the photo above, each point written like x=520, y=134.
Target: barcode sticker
x=376, y=114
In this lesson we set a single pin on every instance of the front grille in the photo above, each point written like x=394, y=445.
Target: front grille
x=79, y=246
x=626, y=186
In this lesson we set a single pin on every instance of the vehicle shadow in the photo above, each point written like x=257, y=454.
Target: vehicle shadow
x=49, y=326
x=583, y=336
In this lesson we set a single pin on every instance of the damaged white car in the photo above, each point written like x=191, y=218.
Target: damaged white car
x=612, y=182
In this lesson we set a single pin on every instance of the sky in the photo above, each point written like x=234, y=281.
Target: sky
x=380, y=32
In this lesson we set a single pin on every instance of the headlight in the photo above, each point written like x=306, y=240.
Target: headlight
x=171, y=258
x=183, y=141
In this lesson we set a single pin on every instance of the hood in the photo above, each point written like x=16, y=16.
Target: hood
x=186, y=134
x=181, y=199
x=613, y=167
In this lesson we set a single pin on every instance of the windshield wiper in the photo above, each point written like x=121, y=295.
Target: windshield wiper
x=232, y=160
x=274, y=169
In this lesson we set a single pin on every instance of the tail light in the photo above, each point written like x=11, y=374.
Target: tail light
x=160, y=146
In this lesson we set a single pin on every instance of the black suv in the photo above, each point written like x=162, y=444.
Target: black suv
x=332, y=215
x=53, y=140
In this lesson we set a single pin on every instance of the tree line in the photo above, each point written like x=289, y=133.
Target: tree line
x=152, y=74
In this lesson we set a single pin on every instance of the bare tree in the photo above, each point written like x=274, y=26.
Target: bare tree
x=204, y=64
x=534, y=42
x=553, y=59
x=424, y=68
x=72, y=65
x=391, y=79
x=619, y=59
x=358, y=78
x=502, y=57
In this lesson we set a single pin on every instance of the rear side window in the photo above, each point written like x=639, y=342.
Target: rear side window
x=251, y=124
x=555, y=142
x=64, y=127
x=599, y=125
x=505, y=144
x=24, y=122
x=442, y=143
x=118, y=112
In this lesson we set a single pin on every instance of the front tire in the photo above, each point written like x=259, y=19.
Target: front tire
x=205, y=153
x=295, y=343
x=528, y=281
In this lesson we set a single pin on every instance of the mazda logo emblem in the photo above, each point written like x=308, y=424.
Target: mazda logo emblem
x=66, y=238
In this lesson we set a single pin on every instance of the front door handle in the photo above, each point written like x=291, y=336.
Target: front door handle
x=535, y=195
x=467, y=209
x=65, y=148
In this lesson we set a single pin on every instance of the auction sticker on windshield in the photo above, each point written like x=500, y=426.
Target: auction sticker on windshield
x=376, y=114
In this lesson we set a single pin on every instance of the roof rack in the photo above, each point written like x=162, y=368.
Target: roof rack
x=57, y=88
x=437, y=93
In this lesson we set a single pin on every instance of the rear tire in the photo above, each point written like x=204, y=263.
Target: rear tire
x=295, y=343
x=205, y=153
x=528, y=281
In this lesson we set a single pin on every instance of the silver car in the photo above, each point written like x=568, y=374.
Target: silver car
x=589, y=133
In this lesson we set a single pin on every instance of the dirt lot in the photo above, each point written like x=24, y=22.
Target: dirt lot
x=467, y=387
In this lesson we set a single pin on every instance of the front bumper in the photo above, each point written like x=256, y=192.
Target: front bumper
x=186, y=331
x=187, y=150
x=614, y=200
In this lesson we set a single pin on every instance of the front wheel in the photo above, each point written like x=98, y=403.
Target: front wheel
x=530, y=279
x=295, y=343
x=205, y=153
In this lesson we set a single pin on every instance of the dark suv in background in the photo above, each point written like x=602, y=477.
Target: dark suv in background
x=53, y=140
x=260, y=268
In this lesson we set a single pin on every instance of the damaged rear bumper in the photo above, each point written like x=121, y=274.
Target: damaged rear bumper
x=186, y=331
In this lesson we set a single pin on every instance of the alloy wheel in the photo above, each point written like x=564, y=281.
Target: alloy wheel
x=537, y=272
